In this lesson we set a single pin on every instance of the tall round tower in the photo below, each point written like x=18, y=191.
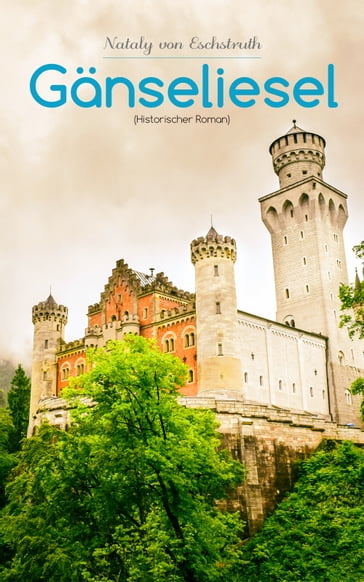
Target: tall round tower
x=306, y=219
x=219, y=361
x=49, y=320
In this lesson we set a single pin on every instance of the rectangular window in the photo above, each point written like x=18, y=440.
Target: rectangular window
x=218, y=307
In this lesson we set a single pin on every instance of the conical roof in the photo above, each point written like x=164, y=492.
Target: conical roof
x=295, y=128
x=212, y=234
x=50, y=301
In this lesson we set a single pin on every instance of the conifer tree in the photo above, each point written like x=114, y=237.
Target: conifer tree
x=18, y=404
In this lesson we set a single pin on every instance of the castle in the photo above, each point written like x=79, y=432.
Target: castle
x=302, y=362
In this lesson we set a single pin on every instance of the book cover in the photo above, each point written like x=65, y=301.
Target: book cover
x=137, y=184
x=139, y=165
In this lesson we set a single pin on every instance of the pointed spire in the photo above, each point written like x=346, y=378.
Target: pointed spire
x=50, y=301
x=212, y=234
x=295, y=128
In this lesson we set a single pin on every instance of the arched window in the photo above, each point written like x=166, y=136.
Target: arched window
x=189, y=340
x=80, y=368
x=348, y=397
x=190, y=376
x=169, y=344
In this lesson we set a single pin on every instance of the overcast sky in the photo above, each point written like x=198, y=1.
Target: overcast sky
x=84, y=187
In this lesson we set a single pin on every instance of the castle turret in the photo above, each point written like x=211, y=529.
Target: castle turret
x=49, y=320
x=306, y=218
x=296, y=155
x=218, y=350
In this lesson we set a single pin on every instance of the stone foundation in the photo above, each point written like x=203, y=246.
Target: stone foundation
x=269, y=441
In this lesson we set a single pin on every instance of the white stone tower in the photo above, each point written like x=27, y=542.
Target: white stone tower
x=305, y=218
x=218, y=350
x=49, y=320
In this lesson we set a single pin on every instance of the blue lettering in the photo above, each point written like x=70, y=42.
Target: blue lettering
x=96, y=100
x=61, y=89
x=143, y=86
x=298, y=91
x=111, y=82
x=234, y=91
x=331, y=86
x=173, y=91
x=268, y=86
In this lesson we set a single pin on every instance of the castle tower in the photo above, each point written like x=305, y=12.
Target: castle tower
x=49, y=320
x=219, y=361
x=306, y=218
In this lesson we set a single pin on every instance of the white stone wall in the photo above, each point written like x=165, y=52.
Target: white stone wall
x=282, y=366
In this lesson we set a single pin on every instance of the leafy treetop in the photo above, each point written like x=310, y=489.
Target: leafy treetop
x=129, y=491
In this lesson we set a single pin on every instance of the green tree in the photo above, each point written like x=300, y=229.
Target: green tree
x=129, y=492
x=317, y=533
x=7, y=459
x=18, y=404
x=352, y=298
x=357, y=387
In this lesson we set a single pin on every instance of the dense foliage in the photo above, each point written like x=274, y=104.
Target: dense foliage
x=352, y=297
x=317, y=533
x=7, y=458
x=357, y=387
x=128, y=492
